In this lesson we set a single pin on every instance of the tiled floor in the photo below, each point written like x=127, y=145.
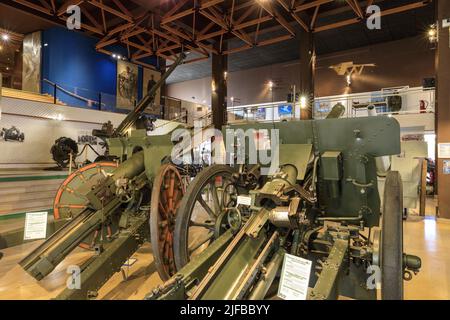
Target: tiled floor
x=429, y=239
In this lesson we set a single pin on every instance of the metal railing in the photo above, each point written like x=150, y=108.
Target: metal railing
x=399, y=100
x=388, y=101
x=85, y=98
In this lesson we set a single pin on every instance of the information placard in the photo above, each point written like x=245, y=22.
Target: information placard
x=444, y=150
x=294, y=278
x=35, y=226
x=446, y=166
x=244, y=200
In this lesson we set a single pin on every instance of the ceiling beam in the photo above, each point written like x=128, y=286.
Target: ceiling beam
x=204, y=4
x=178, y=5
x=294, y=15
x=411, y=6
x=34, y=6
x=310, y=5
x=111, y=10
x=314, y=18
x=356, y=8
x=276, y=15
x=63, y=9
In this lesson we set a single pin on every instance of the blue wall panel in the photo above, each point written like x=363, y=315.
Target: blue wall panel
x=70, y=60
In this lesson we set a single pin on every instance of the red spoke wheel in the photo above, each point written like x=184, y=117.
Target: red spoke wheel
x=168, y=190
x=71, y=199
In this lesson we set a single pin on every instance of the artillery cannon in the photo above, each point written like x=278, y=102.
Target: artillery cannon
x=321, y=204
x=108, y=205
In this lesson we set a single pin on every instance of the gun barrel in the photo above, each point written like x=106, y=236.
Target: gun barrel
x=47, y=256
x=131, y=118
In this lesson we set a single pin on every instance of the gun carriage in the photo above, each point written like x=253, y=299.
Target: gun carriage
x=322, y=204
x=225, y=235
x=108, y=205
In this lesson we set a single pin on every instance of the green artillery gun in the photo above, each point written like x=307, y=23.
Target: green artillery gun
x=108, y=205
x=235, y=226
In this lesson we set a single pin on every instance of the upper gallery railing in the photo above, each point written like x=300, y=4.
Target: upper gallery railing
x=401, y=100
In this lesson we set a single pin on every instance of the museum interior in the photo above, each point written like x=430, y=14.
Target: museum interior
x=225, y=150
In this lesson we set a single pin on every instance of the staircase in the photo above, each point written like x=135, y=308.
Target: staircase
x=26, y=95
x=28, y=193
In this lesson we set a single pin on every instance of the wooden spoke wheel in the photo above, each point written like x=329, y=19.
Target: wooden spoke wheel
x=202, y=214
x=168, y=190
x=71, y=199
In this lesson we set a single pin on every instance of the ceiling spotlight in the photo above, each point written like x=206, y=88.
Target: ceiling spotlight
x=45, y=44
x=303, y=102
x=5, y=37
x=114, y=56
x=119, y=57
x=433, y=34
x=270, y=85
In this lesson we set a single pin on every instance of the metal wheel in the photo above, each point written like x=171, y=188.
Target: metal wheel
x=71, y=198
x=392, y=239
x=168, y=190
x=202, y=209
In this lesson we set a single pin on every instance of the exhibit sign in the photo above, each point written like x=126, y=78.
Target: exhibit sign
x=35, y=225
x=244, y=200
x=295, y=276
x=446, y=167
x=127, y=79
x=444, y=150
x=151, y=77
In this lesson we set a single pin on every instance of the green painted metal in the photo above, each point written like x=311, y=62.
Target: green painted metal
x=32, y=178
x=231, y=274
x=16, y=237
x=97, y=270
x=297, y=154
x=19, y=215
x=330, y=177
x=331, y=166
x=326, y=285
x=73, y=193
x=191, y=274
x=116, y=198
x=262, y=286
x=102, y=204
x=360, y=140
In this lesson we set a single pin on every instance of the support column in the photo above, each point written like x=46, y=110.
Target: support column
x=307, y=71
x=219, y=86
x=443, y=105
x=162, y=102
